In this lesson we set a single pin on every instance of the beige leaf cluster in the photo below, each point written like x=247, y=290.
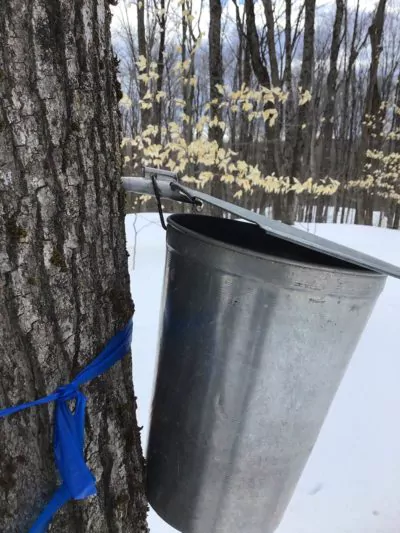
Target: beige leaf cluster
x=200, y=161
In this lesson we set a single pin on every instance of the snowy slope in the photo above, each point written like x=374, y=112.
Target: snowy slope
x=352, y=481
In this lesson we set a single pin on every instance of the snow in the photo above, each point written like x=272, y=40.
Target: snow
x=351, y=483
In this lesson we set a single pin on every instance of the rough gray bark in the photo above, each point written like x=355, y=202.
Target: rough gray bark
x=64, y=284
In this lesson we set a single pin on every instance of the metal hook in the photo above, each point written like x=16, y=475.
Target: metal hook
x=192, y=199
x=157, y=194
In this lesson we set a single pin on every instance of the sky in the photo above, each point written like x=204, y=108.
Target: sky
x=229, y=8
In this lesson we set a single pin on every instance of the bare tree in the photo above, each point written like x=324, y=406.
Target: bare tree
x=331, y=87
x=215, y=68
x=162, y=22
x=271, y=152
x=372, y=105
x=269, y=15
x=142, y=46
x=327, y=148
x=303, y=126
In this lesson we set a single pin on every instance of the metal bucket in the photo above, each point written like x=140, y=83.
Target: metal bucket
x=256, y=335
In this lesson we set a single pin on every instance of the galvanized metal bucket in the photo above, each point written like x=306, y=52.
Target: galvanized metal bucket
x=256, y=335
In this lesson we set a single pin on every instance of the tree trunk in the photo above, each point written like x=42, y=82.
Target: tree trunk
x=327, y=128
x=373, y=100
x=245, y=140
x=272, y=152
x=145, y=114
x=237, y=124
x=162, y=22
x=260, y=70
x=306, y=73
x=269, y=16
x=215, y=66
x=396, y=218
x=373, y=97
x=302, y=135
x=187, y=90
x=64, y=283
x=319, y=213
x=289, y=119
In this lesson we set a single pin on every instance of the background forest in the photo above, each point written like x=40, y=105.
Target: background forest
x=287, y=107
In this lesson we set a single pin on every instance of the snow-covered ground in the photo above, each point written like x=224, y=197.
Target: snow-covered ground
x=351, y=483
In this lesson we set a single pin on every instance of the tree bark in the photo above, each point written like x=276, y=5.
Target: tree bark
x=373, y=100
x=64, y=282
x=187, y=90
x=269, y=16
x=327, y=129
x=279, y=210
x=396, y=218
x=372, y=106
x=162, y=22
x=260, y=70
x=215, y=68
x=302, y=136
x=244, y=76
x=145, y=114
x=272, y=151
x=305, y=81
x=326, y=163
x=287, y=74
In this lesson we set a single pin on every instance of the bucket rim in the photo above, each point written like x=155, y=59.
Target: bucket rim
x=351, y=270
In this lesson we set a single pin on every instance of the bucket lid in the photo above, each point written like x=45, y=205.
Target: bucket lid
x=298, y=236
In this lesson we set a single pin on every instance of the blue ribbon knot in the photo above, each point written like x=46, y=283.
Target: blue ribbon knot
x=78, y=482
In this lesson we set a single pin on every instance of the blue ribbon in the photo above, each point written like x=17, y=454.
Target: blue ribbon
x=69, y=429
